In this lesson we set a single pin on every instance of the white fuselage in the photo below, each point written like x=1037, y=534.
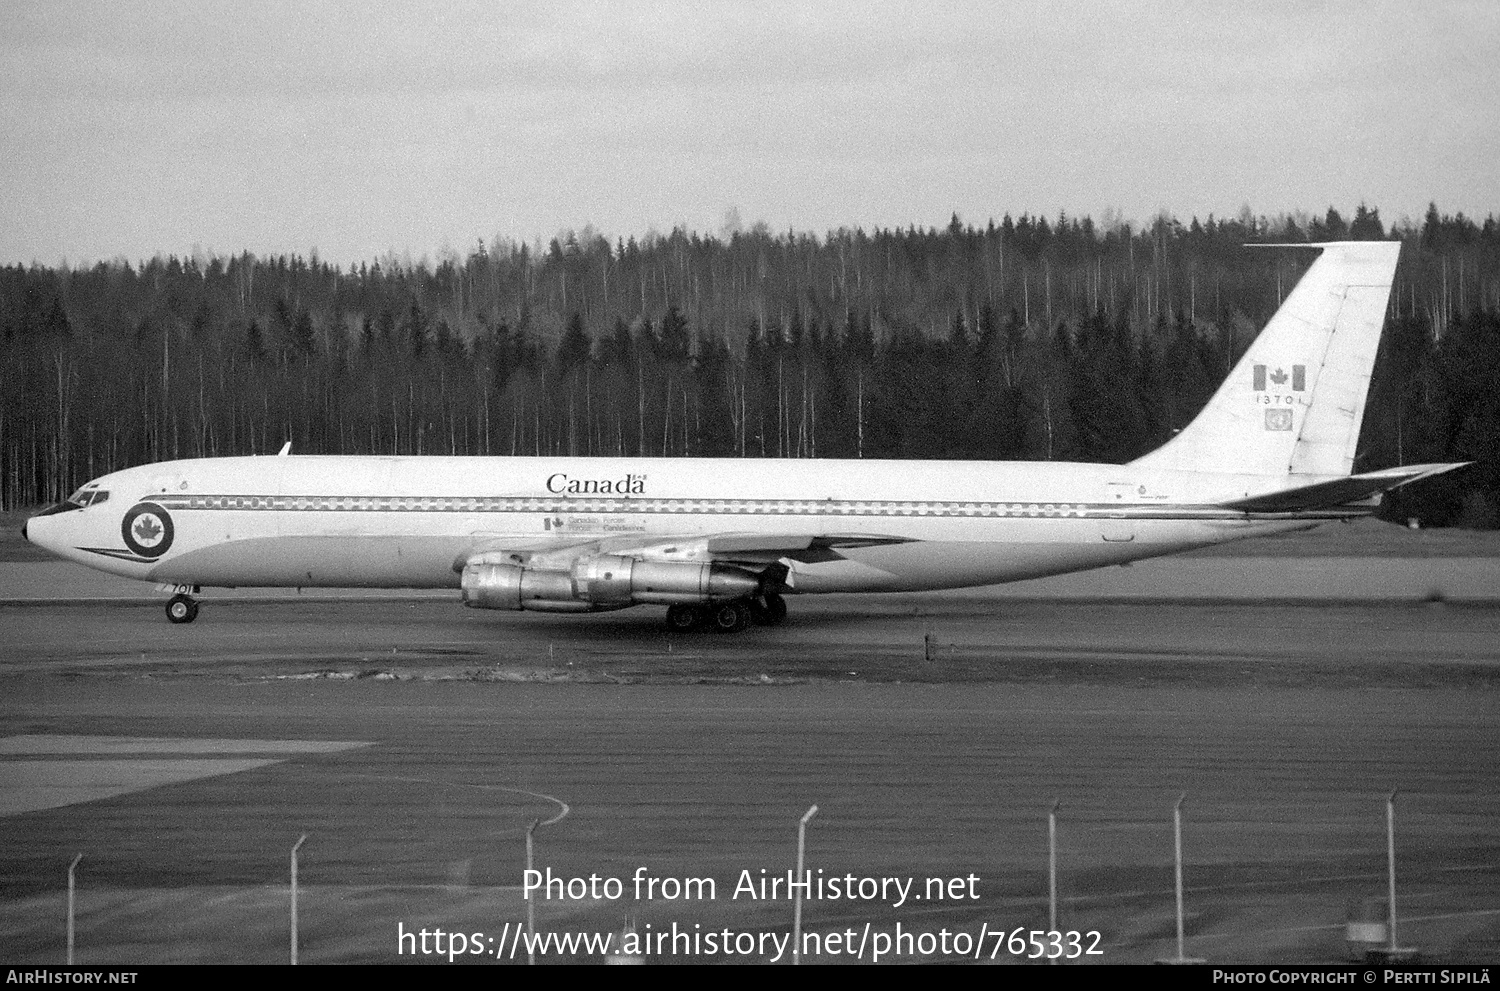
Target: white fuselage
x=409, y=522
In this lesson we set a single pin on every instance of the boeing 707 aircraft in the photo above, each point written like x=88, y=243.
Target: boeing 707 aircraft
x=722, y=542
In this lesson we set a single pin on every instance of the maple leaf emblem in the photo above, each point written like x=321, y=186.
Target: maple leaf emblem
x=146, y=529
x=1278, y=376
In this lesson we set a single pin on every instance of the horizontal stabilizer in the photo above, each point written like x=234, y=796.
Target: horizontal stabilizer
x=1340, y=491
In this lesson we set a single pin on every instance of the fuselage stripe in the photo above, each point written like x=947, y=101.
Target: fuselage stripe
x=691, y=507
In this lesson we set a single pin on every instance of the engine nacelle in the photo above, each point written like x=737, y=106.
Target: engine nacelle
x=508, y=586
x=607, y=578
x=602, y=582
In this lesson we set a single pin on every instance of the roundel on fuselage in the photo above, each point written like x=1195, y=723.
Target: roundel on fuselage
x=147, y=529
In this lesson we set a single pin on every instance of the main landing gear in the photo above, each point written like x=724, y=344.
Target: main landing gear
x=182, y=608
x=728, y=617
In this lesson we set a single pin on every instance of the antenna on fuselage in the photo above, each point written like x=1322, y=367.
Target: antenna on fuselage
x=285, y=450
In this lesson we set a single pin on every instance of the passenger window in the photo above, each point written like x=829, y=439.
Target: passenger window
x=99, y=497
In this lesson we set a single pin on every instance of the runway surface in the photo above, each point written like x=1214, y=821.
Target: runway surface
x=864, y=638
x=414, y=741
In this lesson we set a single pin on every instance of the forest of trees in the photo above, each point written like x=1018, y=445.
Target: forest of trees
x=1028, y=338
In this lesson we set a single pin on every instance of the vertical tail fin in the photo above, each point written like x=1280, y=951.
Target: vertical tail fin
x=1294, y=403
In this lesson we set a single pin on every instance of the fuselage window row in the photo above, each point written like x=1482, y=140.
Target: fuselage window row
x=749, y=507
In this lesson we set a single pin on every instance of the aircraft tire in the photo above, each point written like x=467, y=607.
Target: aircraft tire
x=683, y=619
x=182, y=609
x=731, y=617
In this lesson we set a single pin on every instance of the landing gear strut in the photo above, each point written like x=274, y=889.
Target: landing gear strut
x=769, y=611
x=182, y=608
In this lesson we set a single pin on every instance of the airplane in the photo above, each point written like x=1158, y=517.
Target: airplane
x=723, y=542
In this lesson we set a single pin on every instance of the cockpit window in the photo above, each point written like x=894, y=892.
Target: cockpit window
x=88, y=497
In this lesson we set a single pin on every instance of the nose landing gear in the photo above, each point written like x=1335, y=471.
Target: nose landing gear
x=182, y=608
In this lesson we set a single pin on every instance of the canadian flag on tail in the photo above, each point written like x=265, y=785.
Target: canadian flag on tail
x=1278, y=378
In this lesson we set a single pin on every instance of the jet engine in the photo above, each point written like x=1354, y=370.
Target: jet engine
x=602, y=582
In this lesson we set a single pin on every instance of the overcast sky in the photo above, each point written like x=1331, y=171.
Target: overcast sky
x=361, y=128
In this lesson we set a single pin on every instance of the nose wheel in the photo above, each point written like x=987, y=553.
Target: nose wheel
x=182, y=608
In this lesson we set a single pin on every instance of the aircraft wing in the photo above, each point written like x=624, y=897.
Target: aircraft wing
x=807, y=548
x=1340, y=491
x=742, y=548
